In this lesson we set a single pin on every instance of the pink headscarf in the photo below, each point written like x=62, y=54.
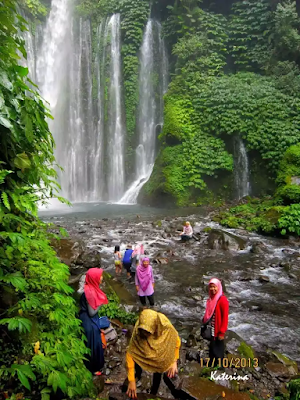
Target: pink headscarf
x=94, y=295
x=144, y=274
x=212, y=301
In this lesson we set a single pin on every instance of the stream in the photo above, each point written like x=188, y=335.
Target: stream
x=261, y=279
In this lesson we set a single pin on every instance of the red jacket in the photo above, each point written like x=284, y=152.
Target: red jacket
x=221, y=316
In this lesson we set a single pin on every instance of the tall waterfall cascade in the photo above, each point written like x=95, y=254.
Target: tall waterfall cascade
x=153, y=73
x=241, y=168
x=84, y=94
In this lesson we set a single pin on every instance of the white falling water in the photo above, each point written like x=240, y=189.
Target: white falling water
x=241, y=168
x=150, y=110
x=79, y=144
x=54, y=52
x=116, y=175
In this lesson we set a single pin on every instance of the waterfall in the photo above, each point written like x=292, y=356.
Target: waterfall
x=241, y=168
x=80, y=141
x=88, y=126
x=116, y=175
x=152, y=81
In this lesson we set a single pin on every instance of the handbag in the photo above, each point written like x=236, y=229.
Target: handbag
x=110, y=334
x=206, y=330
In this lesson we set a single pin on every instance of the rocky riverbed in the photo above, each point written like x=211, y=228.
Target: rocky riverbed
x=260, y=276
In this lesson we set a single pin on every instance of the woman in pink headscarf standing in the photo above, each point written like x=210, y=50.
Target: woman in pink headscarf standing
x=90, y=302
x=144, y=281
x=217, y=309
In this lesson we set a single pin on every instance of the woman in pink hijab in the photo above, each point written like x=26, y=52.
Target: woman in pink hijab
x=90, y=302
x=144, y=281
x=217, y=309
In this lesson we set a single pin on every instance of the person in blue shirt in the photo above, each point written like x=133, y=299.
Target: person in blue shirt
x=127, y=260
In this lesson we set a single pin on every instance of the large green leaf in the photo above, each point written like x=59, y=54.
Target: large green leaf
x=22, y=161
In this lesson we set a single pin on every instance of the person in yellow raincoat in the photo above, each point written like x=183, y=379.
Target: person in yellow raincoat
x=154, y=347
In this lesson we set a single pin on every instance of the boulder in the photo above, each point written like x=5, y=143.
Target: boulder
x=90, y=258
x=286, y=361
x=258, y=248
x=219, y=239
x=264, y=279
x=280, y=371
x=67, y=250
x=161, y=260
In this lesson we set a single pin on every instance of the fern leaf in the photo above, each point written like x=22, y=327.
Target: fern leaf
x=5, y=200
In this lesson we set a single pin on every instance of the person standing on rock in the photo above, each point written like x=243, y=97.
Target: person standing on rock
x=144, y=282
x=90, y=302
x=118, y=262
x=154, y=347
x=187, y=232
x=217, y=310
x=127, y=260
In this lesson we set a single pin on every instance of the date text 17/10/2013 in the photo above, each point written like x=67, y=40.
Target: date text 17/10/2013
x=229, y=363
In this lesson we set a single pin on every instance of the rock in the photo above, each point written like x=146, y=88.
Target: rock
x=232, y=341
x=218, y=239
x=161, y=260
x=285, y=265
x=246, y=276
x=256, y=308
x=279, y=370
x=258, y=248
x=197, y=298
x=191, y=341
x=264, y=279
x=67, y=250
x=293, y=276
x=192, y=355
x=246, y=351
x=74, y=279
x=164, y=235
x=286, y=361
x=90, y=258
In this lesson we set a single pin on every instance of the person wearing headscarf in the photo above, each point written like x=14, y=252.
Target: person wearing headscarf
x=90, y=302
x=137, y=254
x=154, y=347
x=187, y=232
x=217, y=309
x=144, y=282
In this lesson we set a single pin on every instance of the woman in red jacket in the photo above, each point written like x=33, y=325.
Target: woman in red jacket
x=217, y=308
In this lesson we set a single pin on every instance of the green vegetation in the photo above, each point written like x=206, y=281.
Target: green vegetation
x=246, y=351
x=47, y=353
x=294, y=388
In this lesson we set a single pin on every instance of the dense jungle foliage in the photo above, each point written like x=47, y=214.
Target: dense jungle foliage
x=234, y=74
x=40, y=352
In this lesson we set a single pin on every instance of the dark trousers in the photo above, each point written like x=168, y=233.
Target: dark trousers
x=216, y=351
x=127, y=266
x=155, y=382
x=185, y=238
x=150, y=298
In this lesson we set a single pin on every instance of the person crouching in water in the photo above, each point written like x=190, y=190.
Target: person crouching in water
x=118, y=262
x=144, y=282
x=127, y=260
x=154, y=347
x=187, y=232
x=217, y=310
